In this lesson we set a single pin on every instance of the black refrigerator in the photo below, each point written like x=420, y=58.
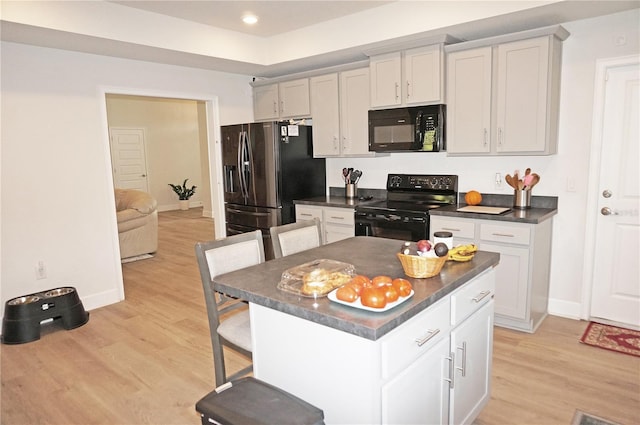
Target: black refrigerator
x=266, y=166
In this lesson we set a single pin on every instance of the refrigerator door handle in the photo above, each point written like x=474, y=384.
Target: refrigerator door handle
x=241, y=178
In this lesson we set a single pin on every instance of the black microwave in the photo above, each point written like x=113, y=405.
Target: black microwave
x=410, y=129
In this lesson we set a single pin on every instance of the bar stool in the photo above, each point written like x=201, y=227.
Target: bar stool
x=249, y=401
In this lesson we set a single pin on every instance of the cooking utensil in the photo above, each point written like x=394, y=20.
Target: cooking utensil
x=510, y=181
x=345, y=175
x=527, y=171
x=527, y=180
x=534, y=181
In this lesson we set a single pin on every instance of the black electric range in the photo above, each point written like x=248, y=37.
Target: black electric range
x=405, y=213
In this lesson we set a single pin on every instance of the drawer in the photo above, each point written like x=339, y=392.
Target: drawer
x=466, y=300
x=405, y=344
x=516, y=234
x=304, y=212
x=339, y=216
x=459, y=228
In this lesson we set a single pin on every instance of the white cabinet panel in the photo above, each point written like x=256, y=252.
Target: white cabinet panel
x=503, y=99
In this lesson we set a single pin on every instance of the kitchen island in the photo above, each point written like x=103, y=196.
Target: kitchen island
x=427, y=360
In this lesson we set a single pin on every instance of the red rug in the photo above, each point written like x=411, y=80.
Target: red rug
x=612, y=338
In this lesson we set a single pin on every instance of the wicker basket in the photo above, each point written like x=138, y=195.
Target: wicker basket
x=421, y=267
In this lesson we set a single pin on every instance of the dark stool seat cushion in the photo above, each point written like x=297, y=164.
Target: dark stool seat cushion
x=249, y=401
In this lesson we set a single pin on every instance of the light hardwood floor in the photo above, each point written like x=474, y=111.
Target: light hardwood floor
x=147, y=360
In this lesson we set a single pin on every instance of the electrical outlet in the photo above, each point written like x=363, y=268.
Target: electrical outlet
x=41, y=270
x=498, y=181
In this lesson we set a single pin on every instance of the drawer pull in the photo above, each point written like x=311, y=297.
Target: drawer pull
x=451, y=229
x=306, y=214
x=337, y=218
x=506, y=235
x=481, y=296
x=430, y=334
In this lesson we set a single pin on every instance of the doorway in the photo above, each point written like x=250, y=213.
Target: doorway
x=612, y=287
x=156, y=141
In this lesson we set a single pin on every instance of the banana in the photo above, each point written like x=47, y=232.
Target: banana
x=462, y=252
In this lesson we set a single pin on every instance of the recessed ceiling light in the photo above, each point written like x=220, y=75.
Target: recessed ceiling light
x=249, y=19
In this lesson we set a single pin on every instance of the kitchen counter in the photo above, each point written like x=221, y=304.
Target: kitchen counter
x=542, y=209
x=392, y=366
x=530, y=215
x=337, y=198
x=370, y=256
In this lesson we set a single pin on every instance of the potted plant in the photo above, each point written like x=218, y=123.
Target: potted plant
x=184, y=193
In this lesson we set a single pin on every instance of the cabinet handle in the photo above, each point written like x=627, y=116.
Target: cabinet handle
x=408, y=90
x=337, y=218
x=485, y=137
x=335, y=143
x=306, y=214
x=506, y=235
x=452, y=374
x=451, y=229
x=499, y=136
x=397, y=85
x=481, y=296
x=463, y=366
x=282, y=106
x=275, y=107
x=430, y=334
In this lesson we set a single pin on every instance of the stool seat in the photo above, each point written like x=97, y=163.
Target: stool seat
x=249, y=401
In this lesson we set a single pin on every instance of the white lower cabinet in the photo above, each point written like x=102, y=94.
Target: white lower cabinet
x=337, y=223
x=449, y=382
x=522, y=277
x=433, y=369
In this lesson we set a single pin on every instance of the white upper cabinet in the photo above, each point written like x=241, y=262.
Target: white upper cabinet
x=288, y=99
x=265, y=102
x=503, y=98
x=469, y=101
x=409, y=77
x=294, y=98
x=339, y=108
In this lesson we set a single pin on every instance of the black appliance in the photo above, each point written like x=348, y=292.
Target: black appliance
x=405, y=213
x=410, y=129
x=266, y=166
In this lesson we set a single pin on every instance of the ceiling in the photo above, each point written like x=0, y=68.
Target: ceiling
x=275, y=17
x=26, y=22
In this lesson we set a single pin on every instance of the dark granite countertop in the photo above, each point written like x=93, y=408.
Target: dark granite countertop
x=370, y=256
x=337, y=198
x=529, y=215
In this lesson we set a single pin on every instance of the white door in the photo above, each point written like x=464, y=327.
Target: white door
x=128, y=158
x=616, y=274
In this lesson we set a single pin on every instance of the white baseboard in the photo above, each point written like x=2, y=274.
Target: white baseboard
x=91, y=302
x=568, y=309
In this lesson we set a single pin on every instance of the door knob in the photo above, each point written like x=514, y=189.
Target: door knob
x=607, y=211
x=606, y=193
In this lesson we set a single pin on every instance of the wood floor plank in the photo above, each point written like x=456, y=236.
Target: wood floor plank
x=147, y=360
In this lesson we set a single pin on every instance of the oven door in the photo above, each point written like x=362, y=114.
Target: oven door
x=392, y=226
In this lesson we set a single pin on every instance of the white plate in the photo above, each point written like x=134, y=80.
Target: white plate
x=358, y=304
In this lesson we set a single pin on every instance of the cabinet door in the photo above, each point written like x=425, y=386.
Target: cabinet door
x=419, y=394
x=469, y=101
x=512, y=280
x=472, y=345
x=522, y=100
x=386, y=75
x=265, y=102
x=354, y=111
x=423, y=75
x=326, y=115
x=294, y=98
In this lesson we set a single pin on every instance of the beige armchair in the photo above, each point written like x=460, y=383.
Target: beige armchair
x=137, y=222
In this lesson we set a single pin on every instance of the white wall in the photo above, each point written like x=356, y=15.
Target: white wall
x=57, y=199
x=590, y=40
